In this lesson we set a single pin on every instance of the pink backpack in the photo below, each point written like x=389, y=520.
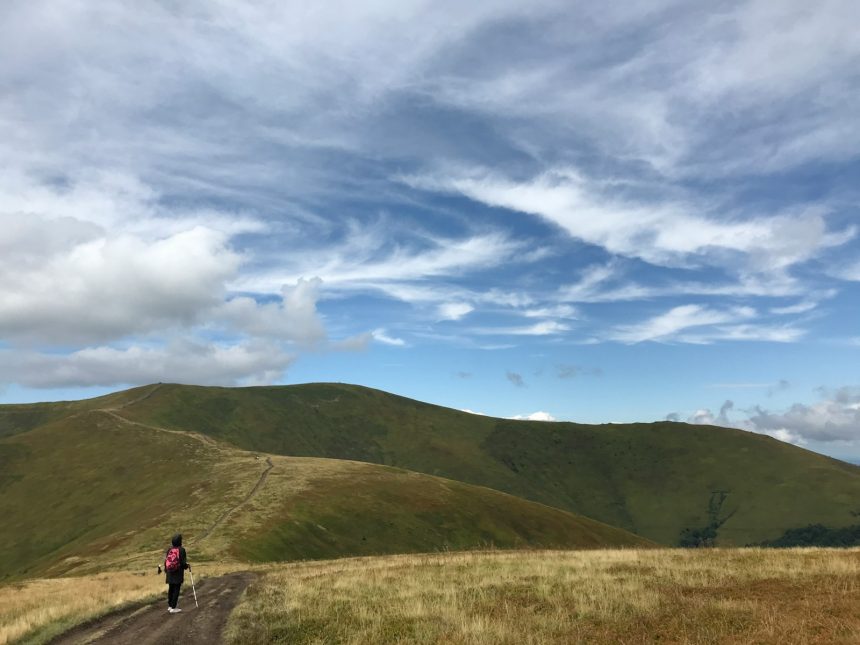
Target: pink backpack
x=172, y=561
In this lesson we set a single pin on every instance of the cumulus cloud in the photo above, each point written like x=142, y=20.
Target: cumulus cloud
x=480, y=414
x=534, y=416
x=183, y=361
x=705, y=417
x=106, y=287
x=293, y=318
x=836, y=417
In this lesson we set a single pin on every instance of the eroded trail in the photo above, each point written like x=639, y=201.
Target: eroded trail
x=151, y=624
x=247, y=498
x=202, y=438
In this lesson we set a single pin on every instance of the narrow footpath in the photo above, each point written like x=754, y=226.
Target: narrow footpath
x=244, y=501
x=150, y=624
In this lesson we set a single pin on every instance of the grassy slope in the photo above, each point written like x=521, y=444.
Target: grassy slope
x=653, y=479
x=658, y=596
x=91, y=492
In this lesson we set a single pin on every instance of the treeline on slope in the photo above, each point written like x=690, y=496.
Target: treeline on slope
x=817, y=535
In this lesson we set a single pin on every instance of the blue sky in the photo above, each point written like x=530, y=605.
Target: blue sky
x=548, y=209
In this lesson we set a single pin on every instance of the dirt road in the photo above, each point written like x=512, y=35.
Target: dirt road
x=151, y=624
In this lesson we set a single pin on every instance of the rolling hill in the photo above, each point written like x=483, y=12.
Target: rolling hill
x=324, y=470
x=663, y=481
x=83, y=489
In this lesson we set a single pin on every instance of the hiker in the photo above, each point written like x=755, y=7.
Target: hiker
x=175, y=564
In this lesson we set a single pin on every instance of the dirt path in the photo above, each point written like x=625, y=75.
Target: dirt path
x=209, y=441
x=253, y=492
x=151, y=624
x=144, y=397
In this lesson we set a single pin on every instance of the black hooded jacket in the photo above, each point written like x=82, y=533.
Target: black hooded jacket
x=177, y=577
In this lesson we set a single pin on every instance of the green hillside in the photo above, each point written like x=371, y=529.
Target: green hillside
x=88, y=491
x=665, y=481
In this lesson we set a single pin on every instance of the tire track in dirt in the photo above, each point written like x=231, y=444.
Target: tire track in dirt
x=150, y=624
x=247, y=498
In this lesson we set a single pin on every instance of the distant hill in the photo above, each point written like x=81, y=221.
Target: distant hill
x=82, y=489
x=669, y=482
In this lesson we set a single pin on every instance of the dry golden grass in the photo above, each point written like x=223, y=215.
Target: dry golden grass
x=621, y=596
x=28, y=606
x=45, y=607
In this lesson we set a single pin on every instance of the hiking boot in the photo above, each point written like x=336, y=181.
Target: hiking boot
x=177, y=610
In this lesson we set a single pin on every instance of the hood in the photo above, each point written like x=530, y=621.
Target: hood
x=177, y=540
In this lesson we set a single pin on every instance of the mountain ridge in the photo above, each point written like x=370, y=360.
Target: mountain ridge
x=665, y=481
x=93, y=490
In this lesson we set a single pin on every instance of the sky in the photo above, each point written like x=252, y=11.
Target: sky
x=583, y=211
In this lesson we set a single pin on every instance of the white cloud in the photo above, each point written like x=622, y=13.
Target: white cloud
x=543, y=328
x=534, y=416
x=667, y=325
x=556, y=311
x=480, y=414
x=762, y=55
x=835, y=418
x=787, y=436
x=159, y=159
x=382, y=336
x=107, y=287
x=745, y=332
x=609, y=283
x=799, y=308
x=667, y=233
x=294, y=318
x=366, y=261
x=454, y=310
x=180, y=361
x=849, y=272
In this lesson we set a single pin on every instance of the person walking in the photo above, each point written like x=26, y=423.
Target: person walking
x=175, y=564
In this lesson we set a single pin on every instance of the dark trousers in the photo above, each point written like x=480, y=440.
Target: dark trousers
x=173, y=594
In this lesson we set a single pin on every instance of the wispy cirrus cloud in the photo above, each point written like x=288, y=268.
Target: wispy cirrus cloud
x=542, y=328
x=446, y=170
x=382, y=336
x=669, y=325
x=667, y=233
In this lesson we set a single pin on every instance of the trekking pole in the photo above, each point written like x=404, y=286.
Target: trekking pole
x=193, y=589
